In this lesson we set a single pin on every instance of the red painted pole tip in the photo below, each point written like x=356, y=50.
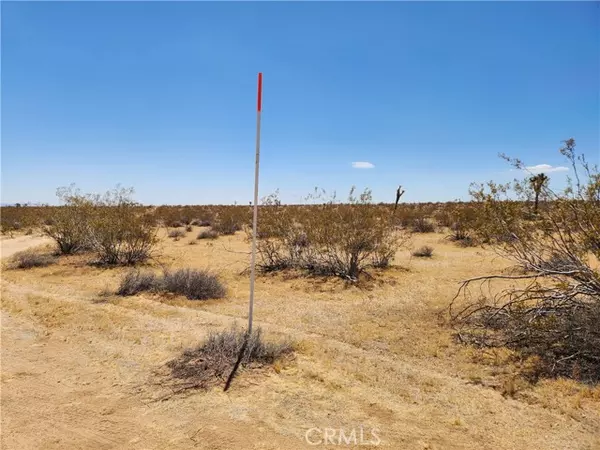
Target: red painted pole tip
x=259, y=105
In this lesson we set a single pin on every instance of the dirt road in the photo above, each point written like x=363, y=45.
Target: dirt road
x=10, y=246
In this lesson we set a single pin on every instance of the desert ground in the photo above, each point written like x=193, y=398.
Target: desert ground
x=81, y=367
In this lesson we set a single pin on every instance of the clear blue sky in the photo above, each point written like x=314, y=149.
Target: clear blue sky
x=161, y=96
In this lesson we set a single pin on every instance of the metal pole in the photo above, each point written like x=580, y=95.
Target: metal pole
x=255, y=212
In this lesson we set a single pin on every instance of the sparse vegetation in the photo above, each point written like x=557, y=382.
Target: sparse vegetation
x=213, y=361
x=113, y=226
x=231, y=219
x=334, y=239
x=28, y=259
x=201, y=222
x=136, y=281
x=121, y=233
x=70, y=224
x=207, y=234
x=176, y=234
x=551, y=311
x=423, y=252
x=193, y=284
x=422, y=225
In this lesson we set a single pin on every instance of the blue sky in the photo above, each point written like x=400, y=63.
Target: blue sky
x=161, y=96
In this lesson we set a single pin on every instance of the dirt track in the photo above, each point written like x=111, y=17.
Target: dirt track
x=10, y=246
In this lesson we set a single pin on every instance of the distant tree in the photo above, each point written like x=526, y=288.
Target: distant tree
x=538, y=182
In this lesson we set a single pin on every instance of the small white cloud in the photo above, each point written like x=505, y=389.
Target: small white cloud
x=546, y=168
x=362, y=165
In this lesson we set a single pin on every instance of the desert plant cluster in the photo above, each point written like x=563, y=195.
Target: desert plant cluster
x=191, y=283
x=112, y=226
x=327, y=237
x=550, y=309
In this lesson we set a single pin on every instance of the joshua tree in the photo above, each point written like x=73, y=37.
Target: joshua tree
x=399, y=193
x=537, y=183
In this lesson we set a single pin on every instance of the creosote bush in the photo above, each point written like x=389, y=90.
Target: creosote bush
x=70, y=224
x=194, y=284
x=422, y=225
x=213, y=361
x=327, y=238
x=423, y=252
x=463, y=219
x=122, y=234
x=112, y=225
x=30, y=258
x=550, y=312
x=231, y=219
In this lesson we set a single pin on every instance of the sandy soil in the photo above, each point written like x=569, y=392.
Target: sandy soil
x=10, y=246
x=79, y=367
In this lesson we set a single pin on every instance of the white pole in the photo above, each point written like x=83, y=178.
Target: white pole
x=255, y=212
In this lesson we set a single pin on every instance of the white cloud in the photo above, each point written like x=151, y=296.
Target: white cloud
x=546, y=168
x=362, y=165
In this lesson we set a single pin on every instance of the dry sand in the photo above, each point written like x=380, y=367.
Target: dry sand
x=10, y=246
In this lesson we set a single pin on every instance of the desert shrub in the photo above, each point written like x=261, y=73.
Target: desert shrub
x=422, y=225
x=443, y=217
x=423, y=252
x=201, y=222
x=385, y=252
x=189, y=228
x=176, y=234
x=550, y=311
x=213, y=361
x=10, y=226
x=329, y=239
x=208, y=234
x=175, y=224
x=121, y=232
x=464, y=218
x=115, y=227
x=30, y=258
x=194, y=284
x=136, y=281
x=70, y=224
x=230, y=219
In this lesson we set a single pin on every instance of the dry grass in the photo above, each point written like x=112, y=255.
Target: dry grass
x=378, y=354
